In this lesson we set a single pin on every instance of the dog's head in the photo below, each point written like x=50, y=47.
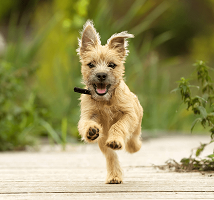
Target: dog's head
x=102, y=66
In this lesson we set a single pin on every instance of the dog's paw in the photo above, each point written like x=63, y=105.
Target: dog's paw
x=114, y=180
x=116, y=145
x=92, y=133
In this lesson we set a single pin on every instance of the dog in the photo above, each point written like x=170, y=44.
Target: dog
x=111, y=115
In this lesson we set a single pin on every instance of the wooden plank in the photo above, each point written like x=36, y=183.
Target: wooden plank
x=126, y=195
x=80, y=174
x=98, y=186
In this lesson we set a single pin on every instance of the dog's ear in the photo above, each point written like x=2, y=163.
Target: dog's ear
x=119, y=43
x=90, y=38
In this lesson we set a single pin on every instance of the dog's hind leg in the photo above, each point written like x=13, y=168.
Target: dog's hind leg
x=133, y=144
x=114, y=171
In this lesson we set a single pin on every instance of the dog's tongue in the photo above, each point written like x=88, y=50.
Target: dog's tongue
x=101, y=91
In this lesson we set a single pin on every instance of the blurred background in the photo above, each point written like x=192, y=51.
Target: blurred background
x=39, y=66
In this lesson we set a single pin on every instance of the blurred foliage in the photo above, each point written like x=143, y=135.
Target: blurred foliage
x=60, y=69
x=18, y=113
x=42, y=45
x=203, y=43
x=20, y=107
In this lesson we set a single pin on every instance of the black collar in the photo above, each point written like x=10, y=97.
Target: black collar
x=82, y=91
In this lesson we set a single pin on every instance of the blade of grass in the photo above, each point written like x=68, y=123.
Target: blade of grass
x=136, y=6
x=64, y=132
x=160, y=39
x=150, y=18
x=51, y=131
x=37, y=42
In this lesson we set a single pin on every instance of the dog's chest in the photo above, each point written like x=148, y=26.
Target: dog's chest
x=110, y=113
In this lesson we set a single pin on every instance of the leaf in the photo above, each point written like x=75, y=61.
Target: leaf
x=203, y=111
x=194, y=86
x=200, y=149
x=211, y=114
x=203, y=123
x=212, y=133
x=184, y=87
x=195, y=122
x=201, y=98
x=175, y=90
x=211, y=156
x=185, y=161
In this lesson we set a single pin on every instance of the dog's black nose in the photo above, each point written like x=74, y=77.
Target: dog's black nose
x=101, y=76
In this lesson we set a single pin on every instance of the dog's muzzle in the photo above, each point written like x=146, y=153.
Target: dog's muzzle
x=101, y=88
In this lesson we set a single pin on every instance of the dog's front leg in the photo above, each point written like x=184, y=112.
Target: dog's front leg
x=89, y=128
x=114, y=171
x=122, y=130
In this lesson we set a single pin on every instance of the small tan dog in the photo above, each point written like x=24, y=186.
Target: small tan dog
x=111, y=115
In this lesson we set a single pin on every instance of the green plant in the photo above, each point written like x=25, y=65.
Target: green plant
x=202, y=106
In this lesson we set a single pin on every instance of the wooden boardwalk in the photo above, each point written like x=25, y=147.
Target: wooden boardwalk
x=79, y=173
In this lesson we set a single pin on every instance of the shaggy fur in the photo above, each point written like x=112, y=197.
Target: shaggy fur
x=112, y=114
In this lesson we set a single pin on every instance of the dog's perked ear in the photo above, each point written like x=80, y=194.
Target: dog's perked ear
x=90, y=38
x=119, y=43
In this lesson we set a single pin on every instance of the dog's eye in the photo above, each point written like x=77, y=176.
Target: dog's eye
x=112, y=65
x=91, y=65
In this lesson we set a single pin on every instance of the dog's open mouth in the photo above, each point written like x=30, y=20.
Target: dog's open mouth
x=101, y=88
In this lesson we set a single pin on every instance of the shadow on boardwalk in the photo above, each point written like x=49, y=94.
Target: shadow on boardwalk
x=79, y=173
